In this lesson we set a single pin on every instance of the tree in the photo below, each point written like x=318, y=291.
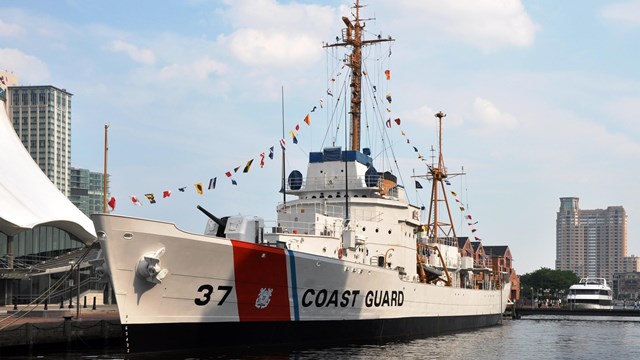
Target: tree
x=548, y=281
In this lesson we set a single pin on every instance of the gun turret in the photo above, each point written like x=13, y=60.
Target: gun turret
x=222, y=223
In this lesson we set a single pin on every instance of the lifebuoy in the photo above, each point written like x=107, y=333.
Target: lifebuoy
x=340, y=253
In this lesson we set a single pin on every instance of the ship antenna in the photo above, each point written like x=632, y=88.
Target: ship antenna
x=352, y=36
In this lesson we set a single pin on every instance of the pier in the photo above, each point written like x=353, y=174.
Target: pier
x=57, y=328
x=528, y=311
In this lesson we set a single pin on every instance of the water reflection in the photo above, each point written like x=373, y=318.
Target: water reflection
x=550, y=337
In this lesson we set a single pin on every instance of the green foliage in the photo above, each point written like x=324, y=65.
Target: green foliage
x=546, y=279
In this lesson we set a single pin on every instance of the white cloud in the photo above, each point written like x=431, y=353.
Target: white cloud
x=420, y=116
x=144, y=56
x=424, y=116
x=623, y=12
x=274, y=35
x=487, y=24
x=269, y=48
x=31, y=70
x=10, y=30
x=491, y=118
x=597, y=138
x=198, y=70
x=626, y=112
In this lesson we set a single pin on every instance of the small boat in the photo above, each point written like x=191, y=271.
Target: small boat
x=590, y=294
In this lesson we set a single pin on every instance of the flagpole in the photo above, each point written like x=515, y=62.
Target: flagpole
x=284, y=187
x=104, y=179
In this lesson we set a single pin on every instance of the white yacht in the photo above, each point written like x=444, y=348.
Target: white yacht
x=590, y=294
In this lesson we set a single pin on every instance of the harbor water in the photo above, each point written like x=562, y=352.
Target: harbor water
x=536, y=337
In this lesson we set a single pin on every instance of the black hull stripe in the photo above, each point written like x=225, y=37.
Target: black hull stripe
x=177, y=336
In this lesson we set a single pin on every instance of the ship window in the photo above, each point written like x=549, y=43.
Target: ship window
x=313, y=197
x=389, y=231
x=377, y=230
x=364, y=229
x=330, y=196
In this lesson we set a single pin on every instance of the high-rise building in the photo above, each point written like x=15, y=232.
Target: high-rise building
x=631, y=264
x=591, y=242
x=41, y=116
x=87, y=191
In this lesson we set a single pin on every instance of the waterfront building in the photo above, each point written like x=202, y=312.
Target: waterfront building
x=41, y=116
x=626, y=285
x=501, y=261
x=87, y=190
x=590, y=243
x=32, y=260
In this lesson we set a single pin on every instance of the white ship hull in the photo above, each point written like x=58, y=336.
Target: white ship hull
x=582, y=306
x=590, y=294
x=221, y=292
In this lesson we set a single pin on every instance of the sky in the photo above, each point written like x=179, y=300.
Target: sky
x=542, y=100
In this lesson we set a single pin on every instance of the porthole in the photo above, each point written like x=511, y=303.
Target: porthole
x=364, y=229
x=377, y=229
x=389, y=231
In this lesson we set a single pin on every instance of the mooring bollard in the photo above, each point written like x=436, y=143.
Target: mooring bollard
x=67, y=328
x=46, y=304
x=94, y=303
x=84, y=306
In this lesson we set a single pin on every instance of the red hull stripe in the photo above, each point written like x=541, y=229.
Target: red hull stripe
x=261, y=282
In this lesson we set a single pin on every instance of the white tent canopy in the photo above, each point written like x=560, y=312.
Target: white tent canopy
x=28, y=198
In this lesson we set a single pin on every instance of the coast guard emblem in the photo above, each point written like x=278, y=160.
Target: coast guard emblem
x=263, y=298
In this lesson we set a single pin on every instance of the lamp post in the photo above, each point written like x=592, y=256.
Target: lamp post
x=532, y=298
x=78, y=291
x=72, y=263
